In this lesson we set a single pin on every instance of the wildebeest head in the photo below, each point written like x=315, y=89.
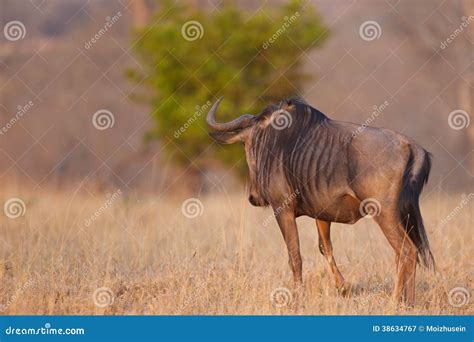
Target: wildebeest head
x=266, y=137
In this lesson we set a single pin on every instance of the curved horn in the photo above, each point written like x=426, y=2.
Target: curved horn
x=239, y=123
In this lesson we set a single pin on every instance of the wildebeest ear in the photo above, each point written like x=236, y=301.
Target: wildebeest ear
x=227, y=137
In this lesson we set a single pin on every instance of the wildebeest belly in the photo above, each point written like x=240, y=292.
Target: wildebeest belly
x=342, y=209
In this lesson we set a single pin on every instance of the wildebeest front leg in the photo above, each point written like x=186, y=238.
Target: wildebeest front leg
x=287, y=222
x=325, y=246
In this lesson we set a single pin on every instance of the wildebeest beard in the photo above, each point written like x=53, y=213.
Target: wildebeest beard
x=310, y=152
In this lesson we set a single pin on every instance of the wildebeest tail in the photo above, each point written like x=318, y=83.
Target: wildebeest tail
x=414, y=178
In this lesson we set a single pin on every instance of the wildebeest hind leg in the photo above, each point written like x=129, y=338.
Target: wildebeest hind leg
x=325, y=246
x=287, y=222
x=405, y=255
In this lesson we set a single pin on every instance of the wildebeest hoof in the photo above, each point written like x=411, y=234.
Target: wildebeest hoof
x=344, y=290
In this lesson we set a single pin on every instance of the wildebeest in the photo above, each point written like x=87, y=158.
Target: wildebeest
x=303, y=163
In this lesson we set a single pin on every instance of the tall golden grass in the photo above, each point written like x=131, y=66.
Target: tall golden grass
x=149, y=258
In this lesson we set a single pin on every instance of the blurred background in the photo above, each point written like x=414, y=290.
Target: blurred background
x=150, y=69
x=110, y=183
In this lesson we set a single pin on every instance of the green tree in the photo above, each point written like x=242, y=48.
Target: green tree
x=191, y=56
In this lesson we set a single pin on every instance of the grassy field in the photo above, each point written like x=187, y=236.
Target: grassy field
x=76, y=252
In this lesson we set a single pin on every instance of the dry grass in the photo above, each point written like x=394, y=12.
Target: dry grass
x=156, y=261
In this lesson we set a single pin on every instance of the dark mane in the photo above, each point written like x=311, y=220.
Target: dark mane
x=309, y=128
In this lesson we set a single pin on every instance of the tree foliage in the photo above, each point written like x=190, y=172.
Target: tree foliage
x=191, y=56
